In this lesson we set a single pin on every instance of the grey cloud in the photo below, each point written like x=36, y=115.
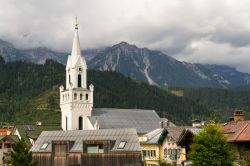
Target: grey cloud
x=207, y=31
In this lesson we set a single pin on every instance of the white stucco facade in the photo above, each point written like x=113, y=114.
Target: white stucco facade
x=76, y=99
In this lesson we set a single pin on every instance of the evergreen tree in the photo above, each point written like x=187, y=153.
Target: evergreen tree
x=210, y=148
x=21, y=155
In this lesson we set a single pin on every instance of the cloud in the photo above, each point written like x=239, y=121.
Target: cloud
x=207, y=31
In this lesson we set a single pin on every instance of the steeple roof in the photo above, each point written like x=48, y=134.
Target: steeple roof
x=76, y=50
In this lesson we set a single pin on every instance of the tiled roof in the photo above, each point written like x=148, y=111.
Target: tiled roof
x=189, y=130
x=175, y=132
x=156, y=136
x=12, y=137
x=236, y=131
x=78, y=136
x=143, y=120
x=34, y=134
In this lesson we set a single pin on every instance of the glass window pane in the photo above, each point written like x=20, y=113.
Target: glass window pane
x=92, y=149
x=122, y=145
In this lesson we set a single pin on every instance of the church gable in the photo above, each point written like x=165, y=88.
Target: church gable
x=80, y=63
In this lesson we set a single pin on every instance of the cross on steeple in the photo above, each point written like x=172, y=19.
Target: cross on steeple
x=76, y=24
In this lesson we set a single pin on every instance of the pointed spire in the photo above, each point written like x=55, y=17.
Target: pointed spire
x=76, y=50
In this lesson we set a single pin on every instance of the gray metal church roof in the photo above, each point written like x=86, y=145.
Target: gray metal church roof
x=143, y=121
x=76, y=137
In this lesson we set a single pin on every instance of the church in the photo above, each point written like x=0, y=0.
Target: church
x=77, y=102
x=98, y=136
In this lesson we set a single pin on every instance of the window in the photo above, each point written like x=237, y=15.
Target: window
x=95, y=148
x=79, y=80
x=149, y=153
x=86, y=97
x=121, y=145
x=28, y=127
x=7, y=146
x=44, y=146
x=165, y=152
x=153, y=153
x=1, y=145
x=144, y=153
x=69, y=78
x=80, y=123
x=80, y=69
x=80, y=96
x=75, y=96
x=60, y=150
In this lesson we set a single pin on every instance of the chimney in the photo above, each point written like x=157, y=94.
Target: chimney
x=238, y=115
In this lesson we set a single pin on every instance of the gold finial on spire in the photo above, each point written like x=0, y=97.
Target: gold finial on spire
x=76, y=25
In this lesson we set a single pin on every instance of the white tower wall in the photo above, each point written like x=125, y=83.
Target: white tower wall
x=76, y=100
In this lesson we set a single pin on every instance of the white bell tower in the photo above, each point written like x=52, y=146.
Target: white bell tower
x=76, y=101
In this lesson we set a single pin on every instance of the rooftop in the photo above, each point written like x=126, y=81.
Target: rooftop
x=76, y=137
x=236, y=131
x=143, y=121
x=156, y=136
x=33, y=131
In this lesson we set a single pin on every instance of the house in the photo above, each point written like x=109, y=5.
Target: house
x=104, y=147
x=237, y=133
x=151, y=144
x=6, y=142
x=173, y=153
x=186, y=139
x=30, y=132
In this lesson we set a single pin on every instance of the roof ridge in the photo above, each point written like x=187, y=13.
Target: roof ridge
x=242, y=131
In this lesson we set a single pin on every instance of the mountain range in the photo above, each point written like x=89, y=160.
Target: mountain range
x=153, y=67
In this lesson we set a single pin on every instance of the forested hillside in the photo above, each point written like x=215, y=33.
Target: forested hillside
x=222, y=102
x=29, y=92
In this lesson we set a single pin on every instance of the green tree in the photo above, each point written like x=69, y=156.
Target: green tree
x=21, y=155
x=210, y=148
x=51, y=102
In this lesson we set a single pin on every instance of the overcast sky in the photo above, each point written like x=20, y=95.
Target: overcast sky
x=200, y=31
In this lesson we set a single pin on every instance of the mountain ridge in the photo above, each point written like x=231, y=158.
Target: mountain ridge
x=151, y=66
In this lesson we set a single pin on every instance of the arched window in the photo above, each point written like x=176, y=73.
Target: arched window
x=75, y=96
x=80, y=123
x=69, y=78
x=86, y=97
x=80, y=96
x=66, y=119
x=79, y=80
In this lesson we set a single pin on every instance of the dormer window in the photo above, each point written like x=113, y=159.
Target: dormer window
x=95, y=148
x=121, y=145
x=44, y=146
